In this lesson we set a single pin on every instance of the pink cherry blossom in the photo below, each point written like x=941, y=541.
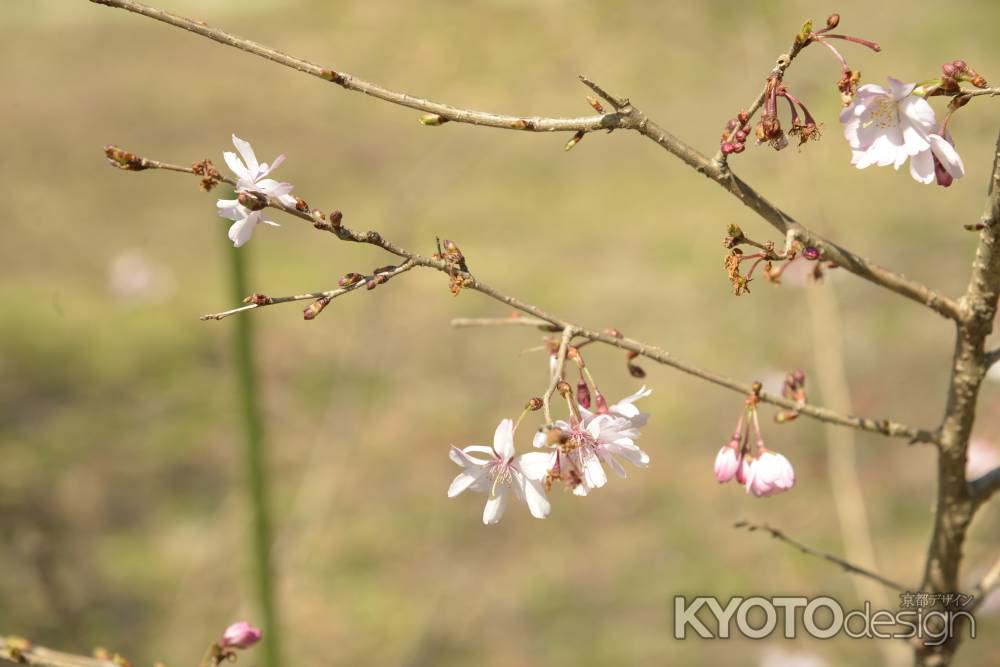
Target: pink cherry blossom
x=497, y=470
x=769, y=473
x=886, y=127
x=251, y=177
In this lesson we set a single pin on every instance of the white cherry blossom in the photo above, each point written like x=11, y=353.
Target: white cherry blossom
x=498, y=471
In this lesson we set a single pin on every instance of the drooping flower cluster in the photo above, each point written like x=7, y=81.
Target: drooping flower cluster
x=762, y=473
x=574, y=451
x=253, y=187
x=886, y=127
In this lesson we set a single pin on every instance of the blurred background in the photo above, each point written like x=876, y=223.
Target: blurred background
x=124, y=520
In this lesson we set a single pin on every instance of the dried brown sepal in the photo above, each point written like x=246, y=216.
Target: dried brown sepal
x=457, y=269
x=301, y=205
x=534, y=404
x=741, y=284
x=258, y=299
x=636, y=371
x=315, y=308
x=210, y=176
x=848, y=86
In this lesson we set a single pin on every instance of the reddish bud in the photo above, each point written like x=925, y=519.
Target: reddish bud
x=335, y=219
x=728, y=147
x=315, y=308
x=583, y=394
x=240, y=635
x=810, y=253
x=350, y=279
x=534, y=404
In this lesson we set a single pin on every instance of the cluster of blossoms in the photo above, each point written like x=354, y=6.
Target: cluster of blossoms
x=883, y=126
x=573, y=451
x=762, y=472
x=253, y=187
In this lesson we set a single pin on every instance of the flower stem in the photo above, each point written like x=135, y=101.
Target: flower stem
x=253, y=456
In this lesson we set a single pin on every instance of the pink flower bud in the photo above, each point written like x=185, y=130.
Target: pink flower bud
x=743, y=471
x=583, y=394
x=770, y=473
x=727, y=147
x=240, y=635
x=728, y=462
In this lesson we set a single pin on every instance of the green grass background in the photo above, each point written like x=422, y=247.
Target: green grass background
x=122, y=518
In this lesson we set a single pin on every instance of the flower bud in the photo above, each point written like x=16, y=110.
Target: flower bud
x=583, y=394
x=251, y=200
x=240, y=635
x=301, y=205
x=727, y=148
x=575, y=140
x=350, y=279
x=832, y=21
x=534, y=404
x=728, y=461
x=335, y=219
x=810, y=253
x=315, y=308
x=769, y=474
x=432, y=120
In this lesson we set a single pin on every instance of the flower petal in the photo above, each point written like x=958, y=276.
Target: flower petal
x=469, y=480
x=922, y=167
x=495, y=506
x=536, y=465
x=236, y=166
x=503, y=440
x=246, y=152
x=534, y=496
x=947, y=155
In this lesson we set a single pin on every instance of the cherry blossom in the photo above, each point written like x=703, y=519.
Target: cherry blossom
x=886, y=127
x=251, y=177
x=497, y=470
x=769, y=473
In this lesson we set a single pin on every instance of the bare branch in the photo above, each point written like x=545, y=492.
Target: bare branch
x=989, y=583
x=22, y=652
x=468, y=322
x=626, y=116
x=353, y=83
x=836, y=560
x=884, y=426
x=983, y=487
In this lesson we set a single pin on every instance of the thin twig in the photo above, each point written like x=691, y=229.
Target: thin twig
x=884, y=427
x=557, y=371
x=836, y=560
x=626, y=117
x=329, y=294
x=467, y=322
x=983, y=487
x=986, y=585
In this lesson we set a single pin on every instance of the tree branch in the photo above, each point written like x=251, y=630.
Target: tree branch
x=626, y=116
x=982, y=488
x=836, y=560
x=22, y=652
x=540, y=317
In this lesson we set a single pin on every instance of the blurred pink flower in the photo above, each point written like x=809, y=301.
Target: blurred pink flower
x=769, y=473
x=240, y=635
x=981, y=457
x=500, y=471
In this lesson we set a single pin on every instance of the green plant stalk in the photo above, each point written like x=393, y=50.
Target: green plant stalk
x=255, y=467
